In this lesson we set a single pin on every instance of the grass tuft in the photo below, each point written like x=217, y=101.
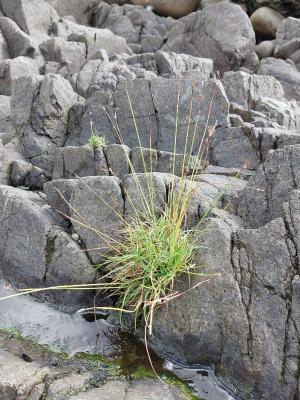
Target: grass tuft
x=95, y=140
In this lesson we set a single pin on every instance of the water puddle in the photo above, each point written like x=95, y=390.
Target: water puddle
x=73, y=334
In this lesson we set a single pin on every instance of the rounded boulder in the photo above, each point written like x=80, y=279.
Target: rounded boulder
x=265, y=21
x=170, y=8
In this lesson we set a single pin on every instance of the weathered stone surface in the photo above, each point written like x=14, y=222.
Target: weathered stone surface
x=288, y=29
x=285, y=72
x=94, y=39
x=45, y=255
x=5, y=119
x=59, y=192
x=74, y=162
x=246, y=90
x=76, y=8
x=19, y=43
x=154, y=108
x=24, y=13
x=238, y=311
x=17, y=68
x=265, y=22
x=69, y=54
x=4, y=54
x=232, y=148
x=205, y=34
x=118, y=159
x=25, y=174
x=69, y=386
x=8, y=154
x=16, y=381
x=265, y=49
x=105, y=74
x=40, y=112
x=96, y=213
x=141, y=190
x=262, y=200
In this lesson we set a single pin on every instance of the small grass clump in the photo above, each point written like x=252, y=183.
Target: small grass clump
x=154, y=250
x=95, y=140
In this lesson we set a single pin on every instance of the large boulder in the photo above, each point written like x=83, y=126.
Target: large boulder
x=265, y=22
x=19, y=43
x=287, y=7
x=170, y=8
x=45, y=255
x=24, y=13
x=214, y=33
x=238, y=321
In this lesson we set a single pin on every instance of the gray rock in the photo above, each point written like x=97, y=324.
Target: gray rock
x=288, y=29
x=144, y=160
x=281, y=113
x=154, y=108
x=19, y=43
x=93, y=38
x=151, y=44
x=229, y=321
x=73, y=162
x=37, y=25
x=246, y=90
x=288, y=50
x=262, y=199
x=141, y=190
x=96, y=213
x=40, y=110
x=6, y=126
x=285, y=72
x=69, y=386
x=172, y=64
x=25, y=174
x=208, y=34
x=4, y=54
x=265, y=49
x=19, y=378
x=118, y=159
x=59, y=194
x=8, y=154
x=232, y=148
x=52, y=258
x=69, y=54
x=76, y=8
x=19, y=172
x=17, y=68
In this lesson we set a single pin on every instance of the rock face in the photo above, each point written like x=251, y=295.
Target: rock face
x=240, y=310
x=146, y=83
x=50, y=259
x=227, y=46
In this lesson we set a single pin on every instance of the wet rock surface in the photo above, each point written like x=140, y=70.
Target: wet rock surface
x=68, y=69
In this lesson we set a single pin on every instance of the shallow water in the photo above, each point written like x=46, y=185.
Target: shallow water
x=72, y=334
